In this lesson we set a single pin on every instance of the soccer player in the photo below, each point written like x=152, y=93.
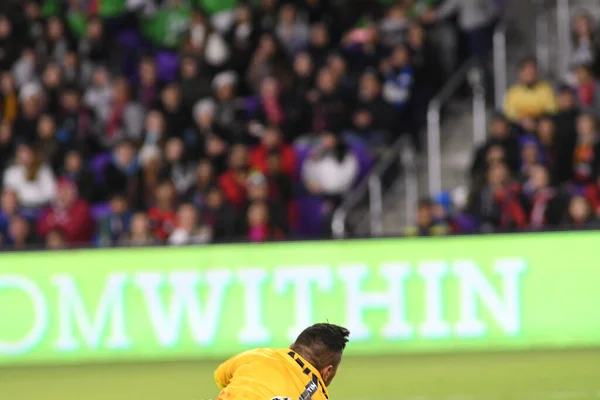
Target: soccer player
x=301, y=372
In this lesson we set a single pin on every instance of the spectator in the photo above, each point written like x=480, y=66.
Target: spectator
x=19, y=235
x=545, y=206
x=501, y=140
x=219, y=215
x=546, y=134
x=259, y=224
x=497, y=206
x=207, y=139
x=426, y=225
x=233, y=181
x=194, y=84
x=176, y=117
x=25, y=127
x=476, y=18
x=154, y=129
x=69, y=214
x=280, y=184
x=566, y=135
x=7, y=147
x=188, y=231
x=121, y=174
x=9, y=208
x=394, y=25
x=9, y=99
x=228, y=111
x=272, y=141
x=114, y=226
x=140, y=233
x=580, y=215
x=51, y=152
x=148, y=87
x=162, y=214
x=258, y=191
x=75, y=171
x=32, y=180
x=320, y=44
x=372, y=116
x=178, y=168
x=399, y=79
x=588, y=90
x=531, y=97
x=55, y=241
x=531, y=155
x=290, y=31
x=204, y=179
x=331, y=170
x=585, y=45
x=99, y=97
x=328, y=106
x=267, y=60
x=125, y=119
x=54, y=47
x=586, y=158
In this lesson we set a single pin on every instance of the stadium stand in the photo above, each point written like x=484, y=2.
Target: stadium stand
x=139, y=122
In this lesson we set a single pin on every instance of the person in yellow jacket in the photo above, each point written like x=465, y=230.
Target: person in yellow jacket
x=530, y=98
x=301, y=372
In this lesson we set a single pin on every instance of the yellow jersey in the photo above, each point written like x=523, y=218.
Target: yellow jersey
x=529, y=102
x=265, y=374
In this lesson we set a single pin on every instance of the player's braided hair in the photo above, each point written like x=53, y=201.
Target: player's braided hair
x=322, y=344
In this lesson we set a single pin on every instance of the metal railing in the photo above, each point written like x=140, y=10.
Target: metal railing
x=469, y=72
x=500, y=65
x=402, y=151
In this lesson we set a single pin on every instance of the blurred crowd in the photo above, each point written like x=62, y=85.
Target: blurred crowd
x=140, y=122
x=540, y=167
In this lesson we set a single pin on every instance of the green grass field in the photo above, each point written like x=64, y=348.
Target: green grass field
x=566, y=375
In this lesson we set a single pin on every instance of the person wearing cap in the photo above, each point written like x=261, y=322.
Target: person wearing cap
x=69, y=214
x=228, y=105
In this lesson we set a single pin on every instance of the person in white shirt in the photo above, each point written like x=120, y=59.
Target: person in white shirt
x=188, y=230
x=332, y=168
x=32, y=180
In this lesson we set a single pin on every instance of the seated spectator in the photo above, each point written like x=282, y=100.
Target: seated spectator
x=531, y=155
x=55, y=240
x=150, y=159
x=154, y=133
x=148, y=87
x=258, y=191
x=585, y=44
x=280, y=184
x=566, y=136
x=229, y=111
x=260, y=228
x=586, y=158
x=49, y=147
x=268, y=60
x=74, y=121
x=291, y=31
x=74, y=171
x=233, y=181
x=497, y=206
x=188, y=231
x=162, y=215
x=546, y=135
x=580, y=215
x=194, y=84
x=320, y=44
x=362, y=48
x=33, y=181
x=204, y=179
x=304, y=70
x=113, y=226
x=331, y=169
x=394, y=25
x=121, y=175
x=140, y=233
x=500, y=136
x=99, y=96
x=125, y=118
x=178, y=166
x=176, y=116
x=426, y=226
x=19, y=235
x=207, y=139
x=9, y=99
x=545, y=205
x=272, y=142
x=9, y=207
x=588, y=90
x=372, y=116
x=328, y=106
x=531, y=97
x=592, y=193
x=30, y=96
x=219, y=215
x=7, y=147
x=69, y=214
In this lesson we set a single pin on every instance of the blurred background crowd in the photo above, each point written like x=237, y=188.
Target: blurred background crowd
x=540, y=166
x=138, y=122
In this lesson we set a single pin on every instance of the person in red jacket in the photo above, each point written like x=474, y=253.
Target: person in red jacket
x=272, y=141
x=162, y=215
x=69, y=215
x=233, y=181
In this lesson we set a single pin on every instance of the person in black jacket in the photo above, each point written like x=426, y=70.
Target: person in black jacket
x=502, y=137
x=566, y=136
